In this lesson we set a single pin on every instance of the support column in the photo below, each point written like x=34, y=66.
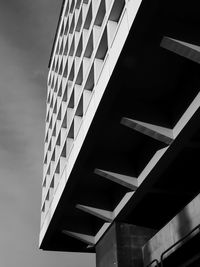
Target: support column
x=122, y=245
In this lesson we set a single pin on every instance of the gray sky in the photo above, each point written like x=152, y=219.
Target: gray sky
x=27, y=30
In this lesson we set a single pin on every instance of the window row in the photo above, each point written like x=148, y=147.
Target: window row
x=72, y=80
x=85, y=15
x=69, y=113
x=61, y=152
x=71, y=66
x=78, y=80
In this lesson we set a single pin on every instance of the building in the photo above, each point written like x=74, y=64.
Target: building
x=122, y=140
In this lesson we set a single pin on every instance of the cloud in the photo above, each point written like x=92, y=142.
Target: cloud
x=30, y=27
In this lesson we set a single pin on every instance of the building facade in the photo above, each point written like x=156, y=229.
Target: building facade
x=122, y=137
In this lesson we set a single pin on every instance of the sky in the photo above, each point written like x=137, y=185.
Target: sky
x=27, y=31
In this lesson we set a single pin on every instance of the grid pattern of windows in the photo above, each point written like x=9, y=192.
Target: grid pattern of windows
x=86, y=32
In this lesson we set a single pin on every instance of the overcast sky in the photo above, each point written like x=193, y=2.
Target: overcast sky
x=27, y=30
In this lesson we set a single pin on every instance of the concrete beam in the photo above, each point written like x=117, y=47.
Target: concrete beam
x=100, y=213
x=122, y=246
x=179, y=227
x=181, y=48
x=88, y=239
x=159, y=133
x=124, y=180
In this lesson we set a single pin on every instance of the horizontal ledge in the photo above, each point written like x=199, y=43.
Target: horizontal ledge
x=124, y=180
x=88, y=239
x=181, y=48
x=100, y=213
x=159, y=133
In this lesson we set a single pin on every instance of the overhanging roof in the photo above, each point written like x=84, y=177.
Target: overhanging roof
x=146, y=128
